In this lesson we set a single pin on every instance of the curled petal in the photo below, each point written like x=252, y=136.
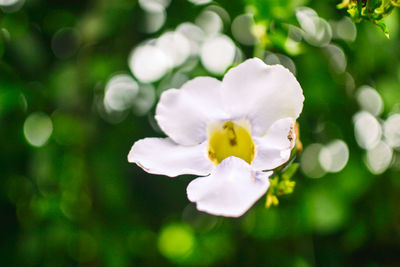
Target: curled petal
x=231, y=189
x=164, y=156
x=262, y=94
x=273, y=149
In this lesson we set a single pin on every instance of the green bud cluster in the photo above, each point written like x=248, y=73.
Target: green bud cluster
x=281, y=184
x=370, y=10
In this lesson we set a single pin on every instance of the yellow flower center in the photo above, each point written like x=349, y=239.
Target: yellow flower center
x=230, y=139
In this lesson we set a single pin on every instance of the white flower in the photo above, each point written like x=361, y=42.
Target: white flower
x=229, y=131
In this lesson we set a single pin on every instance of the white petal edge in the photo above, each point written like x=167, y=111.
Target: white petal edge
x=165, y=157
x=231, y=189
x=262, y=94
x=274, y=148
x=183, y=114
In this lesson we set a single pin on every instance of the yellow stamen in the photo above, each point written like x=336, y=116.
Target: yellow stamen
x=230, y=139
x=271, y=200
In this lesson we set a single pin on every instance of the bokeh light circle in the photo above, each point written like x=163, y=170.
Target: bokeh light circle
x=200, y=2
x=149, y=63
x=210, y=22
x=120, y=92
x=144, y=100
x=369, y=100
x=379, y=157
x=242, y=29
x=309, y=163
x=175, y=45
x=176, y=241
x=217, y=54
x=346, y=29
x=8, y=2
x=154, y=5
x=391, y=129
x=316, y=31
x=367, y=130
x=334, y=156
x=154, y=20
x=194, y=34
x=38, y=128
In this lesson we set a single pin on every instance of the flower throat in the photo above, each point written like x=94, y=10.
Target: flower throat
x=230, y=139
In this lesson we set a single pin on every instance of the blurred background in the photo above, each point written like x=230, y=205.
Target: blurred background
x=79, y=81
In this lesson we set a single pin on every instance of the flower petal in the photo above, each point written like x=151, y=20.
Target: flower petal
x=230, y=190
x=183, y=114
x=273, y=149
x=163, y=156
x=262, y=94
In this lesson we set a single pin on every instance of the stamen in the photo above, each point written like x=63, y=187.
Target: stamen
x=230, y=139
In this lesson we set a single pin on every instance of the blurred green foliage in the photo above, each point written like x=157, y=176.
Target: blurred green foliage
x=75, y=200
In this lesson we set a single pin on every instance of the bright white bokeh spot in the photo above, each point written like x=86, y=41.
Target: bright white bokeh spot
x=154, y=20
x=175, y=45
x=309, y=162
x=378, y=158
x=8, y=2
x=241, y=29
x=217, y=54
x=209, y=22
x=154, y=5
x=334, y=156
x=316, y=31
x=221, y=12
x=11, y=6
x=194, y=34
x=200, y=2
x=337, y=58
x=38, y=128
x=120, y=92
x=391, y=129
x=145, y=100
x=369, y=100
x=305, y=16
x=149, y=63
x=367, y=130
x=191, y=31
